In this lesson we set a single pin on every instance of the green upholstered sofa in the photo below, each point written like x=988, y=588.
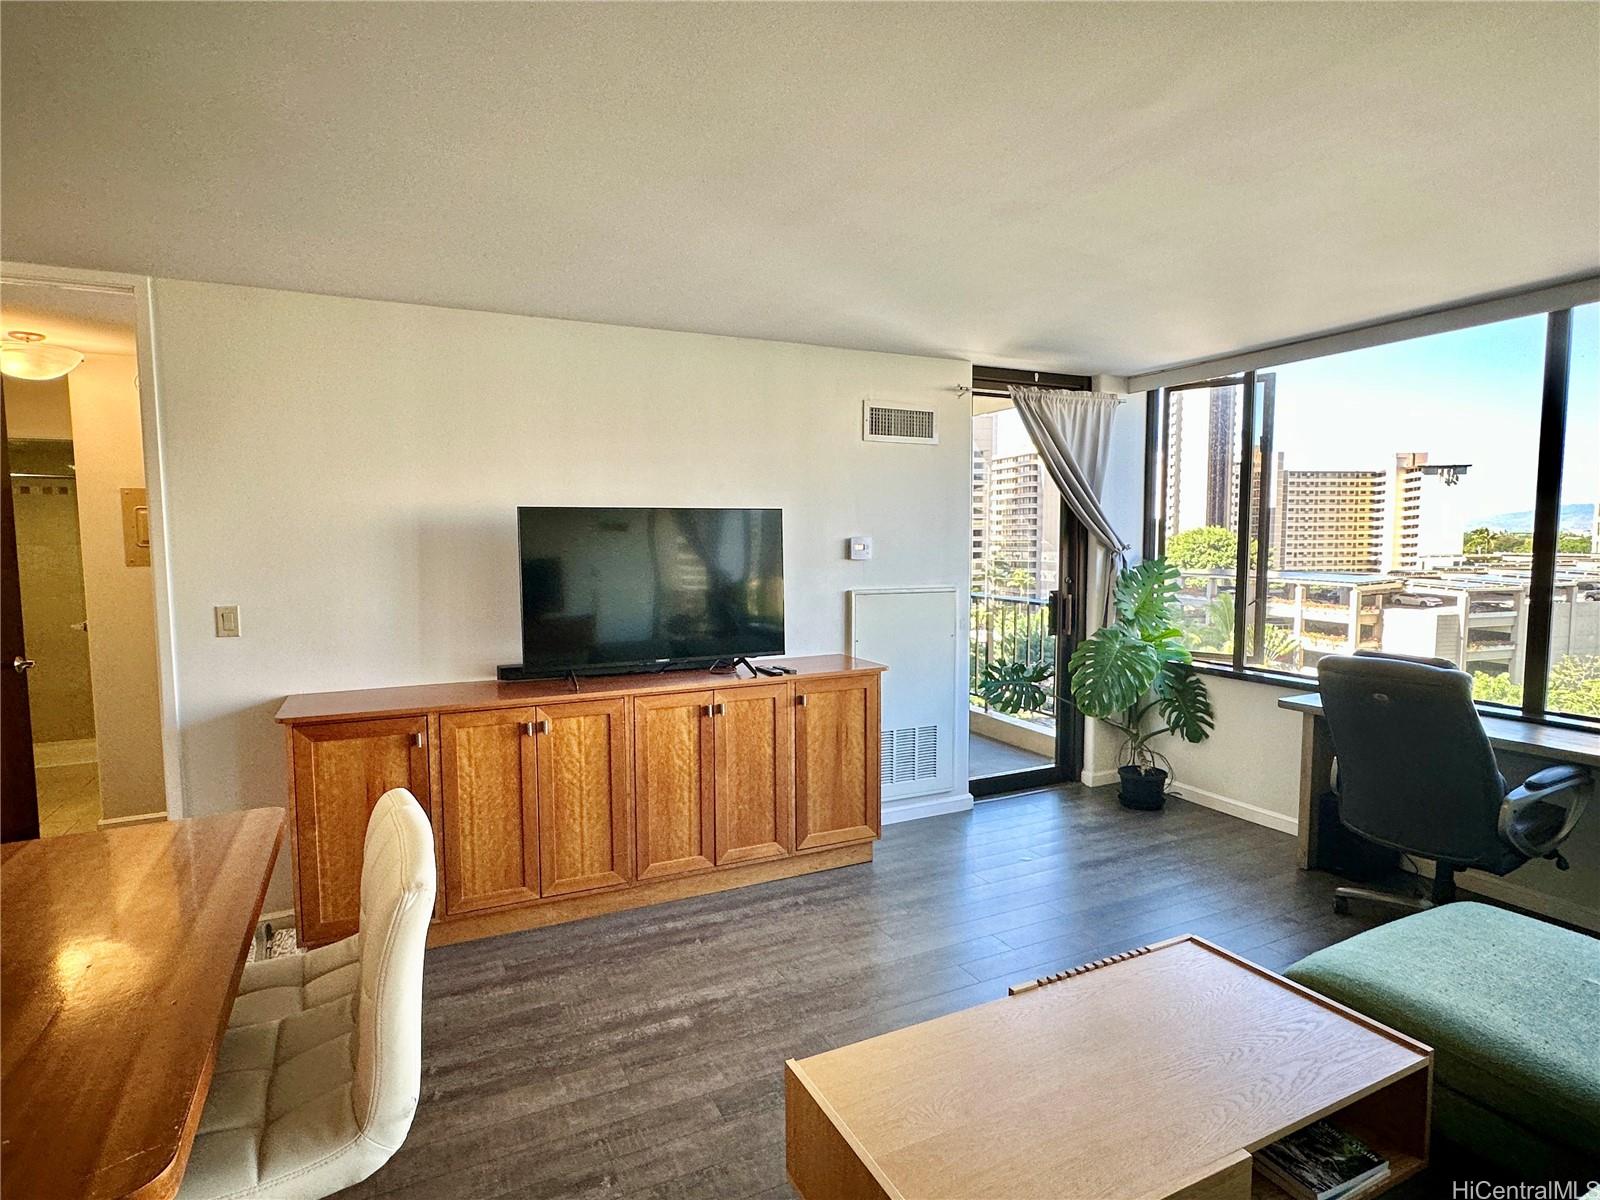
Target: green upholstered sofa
x=1511, y=1007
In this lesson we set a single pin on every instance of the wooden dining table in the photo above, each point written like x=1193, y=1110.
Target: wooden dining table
x=120, y=956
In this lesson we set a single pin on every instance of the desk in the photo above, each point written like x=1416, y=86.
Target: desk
x=120, y=957
x=1548, y=742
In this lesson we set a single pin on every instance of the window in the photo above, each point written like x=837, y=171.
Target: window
x=1573, y=684
x=1389, y=501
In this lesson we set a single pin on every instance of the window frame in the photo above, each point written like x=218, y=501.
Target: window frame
x=1546, y=525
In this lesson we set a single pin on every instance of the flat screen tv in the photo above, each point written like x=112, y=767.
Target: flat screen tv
x=613, y=589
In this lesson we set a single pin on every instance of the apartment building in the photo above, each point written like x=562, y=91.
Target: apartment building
x=1021, y=524
x=1337, y=520
x=1422, y=520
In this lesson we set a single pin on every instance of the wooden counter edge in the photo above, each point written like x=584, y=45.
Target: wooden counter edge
x=824, y=1159
x=164, y=1185
x=423, y=698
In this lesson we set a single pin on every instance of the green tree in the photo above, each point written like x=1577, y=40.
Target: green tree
x=1205, y=548
x=1574, y=686
x=1216, y=635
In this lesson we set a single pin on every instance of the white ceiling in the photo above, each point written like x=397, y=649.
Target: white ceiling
x=90, y=322
x=1074, y=186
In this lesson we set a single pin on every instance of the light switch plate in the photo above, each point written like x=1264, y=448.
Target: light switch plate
x=860, y=548
x=227, y=619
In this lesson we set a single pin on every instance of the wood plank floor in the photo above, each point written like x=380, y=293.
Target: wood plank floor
x=640, y=1054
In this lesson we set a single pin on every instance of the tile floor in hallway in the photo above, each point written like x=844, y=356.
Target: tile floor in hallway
x=69, y=799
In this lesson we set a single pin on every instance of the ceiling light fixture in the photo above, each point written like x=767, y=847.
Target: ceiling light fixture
x=23, y=355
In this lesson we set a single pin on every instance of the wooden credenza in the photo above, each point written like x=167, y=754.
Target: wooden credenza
x=551, y=802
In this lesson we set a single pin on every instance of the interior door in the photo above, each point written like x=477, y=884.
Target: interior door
x=19, y=793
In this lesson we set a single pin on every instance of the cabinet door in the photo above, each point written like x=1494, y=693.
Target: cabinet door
x=836, y=761
x=754, y=735
x=489, y=811
x=585, y=796
x=673, y=777
x=340, y=770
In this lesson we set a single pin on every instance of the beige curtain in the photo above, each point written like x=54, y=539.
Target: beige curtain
x=1072, y=432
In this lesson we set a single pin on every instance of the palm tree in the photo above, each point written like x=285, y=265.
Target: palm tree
x=1279, y=645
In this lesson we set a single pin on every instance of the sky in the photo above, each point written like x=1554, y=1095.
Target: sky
x=1472, y=396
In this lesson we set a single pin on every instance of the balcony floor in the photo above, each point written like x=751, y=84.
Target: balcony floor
x=986, y=757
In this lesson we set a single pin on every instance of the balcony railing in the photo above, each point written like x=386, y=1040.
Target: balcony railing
x=1008, y=629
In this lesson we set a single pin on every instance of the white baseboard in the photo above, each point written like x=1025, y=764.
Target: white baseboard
x=135, y=819
x=1253, y=813
x=915, y=808
x=1099, y=778
x=65, y=754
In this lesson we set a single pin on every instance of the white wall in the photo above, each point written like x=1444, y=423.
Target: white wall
x=108, y=449
x=347, y=473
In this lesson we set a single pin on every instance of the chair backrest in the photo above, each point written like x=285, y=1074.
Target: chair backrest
x=397, y=889
x=1416, y=770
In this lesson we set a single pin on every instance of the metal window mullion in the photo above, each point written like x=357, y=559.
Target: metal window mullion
x=1547, y=511
x=1241, y=571
x=1269, y=388
x=1154, y=490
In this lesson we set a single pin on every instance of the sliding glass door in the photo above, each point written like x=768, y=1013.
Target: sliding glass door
x=1027, y=563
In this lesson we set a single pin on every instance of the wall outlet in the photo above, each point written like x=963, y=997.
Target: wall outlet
x=227, y=619
x=860, y=548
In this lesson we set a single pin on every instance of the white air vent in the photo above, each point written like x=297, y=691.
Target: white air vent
x=910, y=754
x=888, y=423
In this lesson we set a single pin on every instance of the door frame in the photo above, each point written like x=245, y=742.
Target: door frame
x=139, y=288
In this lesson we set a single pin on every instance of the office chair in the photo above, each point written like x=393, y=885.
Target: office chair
x=1416, y=773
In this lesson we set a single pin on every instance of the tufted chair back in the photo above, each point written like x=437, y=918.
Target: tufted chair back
x=397, y=890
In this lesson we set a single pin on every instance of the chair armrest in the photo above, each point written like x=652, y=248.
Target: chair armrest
x=1564, y=786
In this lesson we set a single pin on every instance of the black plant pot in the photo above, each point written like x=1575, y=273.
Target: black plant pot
x=1143, y=790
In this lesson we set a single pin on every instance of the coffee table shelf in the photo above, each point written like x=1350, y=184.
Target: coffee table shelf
x=1154, y=1075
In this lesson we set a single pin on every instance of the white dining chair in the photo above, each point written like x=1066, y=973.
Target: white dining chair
x=317, y=1077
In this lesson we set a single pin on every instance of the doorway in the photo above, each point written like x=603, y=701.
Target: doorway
x=1028, y=563
x=83, y=695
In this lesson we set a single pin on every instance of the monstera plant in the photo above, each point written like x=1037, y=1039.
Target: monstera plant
x=1136, y=675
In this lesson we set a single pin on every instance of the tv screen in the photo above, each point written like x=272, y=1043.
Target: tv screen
x=626, y=587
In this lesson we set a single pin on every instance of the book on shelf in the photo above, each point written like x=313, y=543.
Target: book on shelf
x=1320, y=1162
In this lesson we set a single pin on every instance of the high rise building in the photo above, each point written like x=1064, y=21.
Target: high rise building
x=1333, y=521
x=1024, y=520
x=1423, y=518
x=1202, y=457
x=982, y=452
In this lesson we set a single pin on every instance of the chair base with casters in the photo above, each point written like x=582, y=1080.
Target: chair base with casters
x=1534, y=819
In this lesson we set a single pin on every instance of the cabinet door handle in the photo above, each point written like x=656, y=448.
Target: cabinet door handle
x=527, y=729
x=710, y=710
x=802, y=700
x=418, y=740
x=718, y=709
x=543, y=726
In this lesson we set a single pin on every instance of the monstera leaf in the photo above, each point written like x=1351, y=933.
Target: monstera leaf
x=1183, y=702
x=1018, y=687
x=1145, y=594
x=1111, y=670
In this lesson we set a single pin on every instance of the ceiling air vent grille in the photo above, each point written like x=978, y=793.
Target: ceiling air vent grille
x=891, y=423
x=910, y=754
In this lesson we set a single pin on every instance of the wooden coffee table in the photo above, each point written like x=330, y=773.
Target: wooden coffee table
x=1150, y=1076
